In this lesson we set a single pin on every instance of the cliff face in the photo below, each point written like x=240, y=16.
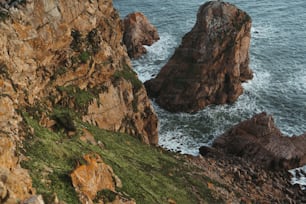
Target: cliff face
x=67, y=54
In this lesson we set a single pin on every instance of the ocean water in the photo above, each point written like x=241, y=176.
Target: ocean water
x=278, y=59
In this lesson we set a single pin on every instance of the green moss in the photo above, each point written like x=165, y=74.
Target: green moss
x=148, y=174
x=81, y=97
x=106, y=195
x=84, y=57
x=3, y=15
x=128, y=74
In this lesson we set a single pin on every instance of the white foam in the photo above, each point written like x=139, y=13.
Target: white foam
x=301, y=179
x=157, y=54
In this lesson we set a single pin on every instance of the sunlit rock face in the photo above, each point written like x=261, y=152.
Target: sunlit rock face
x=66, y=54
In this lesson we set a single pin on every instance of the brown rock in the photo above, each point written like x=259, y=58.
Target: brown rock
x=92, y=177
x=210, y=64
x=138, y=31
x=259, y=140
x=47, y=46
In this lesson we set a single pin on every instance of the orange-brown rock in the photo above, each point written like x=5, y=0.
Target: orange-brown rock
x=260, y=141
x=210, y=64
x=138, y=31
x=48, y=45
x=90, y=178
x=68, y=54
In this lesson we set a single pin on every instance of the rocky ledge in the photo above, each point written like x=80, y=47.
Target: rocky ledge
x=210, y=64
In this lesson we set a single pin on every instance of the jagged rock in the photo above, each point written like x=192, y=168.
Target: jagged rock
x=66, y=54
x=210, y=64
x=259, y=140
x=95, y=176
x=138, y=31
x=70, y=55
x=15, y=184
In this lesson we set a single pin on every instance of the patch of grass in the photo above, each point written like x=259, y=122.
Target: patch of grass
x=106, y=195
x=52, y=156
x=148, y=174
x=128, y=74
x=81, y=97
x=59, y=72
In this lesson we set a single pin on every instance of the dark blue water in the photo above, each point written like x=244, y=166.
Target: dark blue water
x=278, y=59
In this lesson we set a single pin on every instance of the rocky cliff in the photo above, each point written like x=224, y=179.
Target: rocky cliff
x=65, y=82
x=65, y=55
x=210, y=64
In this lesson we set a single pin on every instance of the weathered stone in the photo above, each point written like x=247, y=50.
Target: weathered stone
x=259, y=140
x=209, y=65
x=138, y=31
x=94, y=176
x=50, y=46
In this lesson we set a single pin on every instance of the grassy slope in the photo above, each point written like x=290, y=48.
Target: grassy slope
x=149, y=174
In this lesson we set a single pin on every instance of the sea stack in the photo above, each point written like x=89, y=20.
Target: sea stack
x=138, y=31
x=210, y=64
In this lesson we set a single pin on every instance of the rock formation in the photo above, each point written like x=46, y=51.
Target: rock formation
x=138, y=31
x=260, y=141
x=210, y=64
x=96, y=176
x=66, y=54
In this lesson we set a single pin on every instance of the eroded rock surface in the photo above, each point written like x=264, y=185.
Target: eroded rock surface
x=210, y=64
x=138, y=31
x=66, y=54
x=260, y=141
x=95, y=176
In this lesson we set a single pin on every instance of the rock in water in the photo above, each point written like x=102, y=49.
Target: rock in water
x=138, y=31
x=210, y=64
x=259, y=140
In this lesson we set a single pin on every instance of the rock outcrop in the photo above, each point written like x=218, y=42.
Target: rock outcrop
x=66, y=54
x=96, y=176
x=246, y=180
x=210, y=64
x=260, y=141
x=138, y=31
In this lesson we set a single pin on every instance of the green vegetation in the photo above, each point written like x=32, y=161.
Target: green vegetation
x=128, y=74
x=84, y=57
x=3, y=15
x=81, y=97
x=148, y=174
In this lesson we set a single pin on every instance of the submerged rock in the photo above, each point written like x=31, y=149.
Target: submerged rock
x=138, y=31
x=260, y=141
x=210, y=64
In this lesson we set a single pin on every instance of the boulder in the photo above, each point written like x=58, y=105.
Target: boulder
x=138, y=31
x=209, y=65
x=260, y=141
x=96, y=176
